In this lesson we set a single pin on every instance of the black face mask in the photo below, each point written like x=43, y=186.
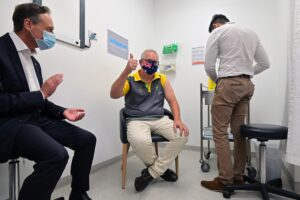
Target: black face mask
x=150, y=68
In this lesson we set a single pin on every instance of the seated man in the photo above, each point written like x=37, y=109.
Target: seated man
x=30, y=125
x=145, y=91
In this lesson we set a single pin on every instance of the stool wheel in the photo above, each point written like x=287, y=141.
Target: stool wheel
x=227, y=194
x=205, y=166
x=251, y=172
x=207, y=155
x=276, y=182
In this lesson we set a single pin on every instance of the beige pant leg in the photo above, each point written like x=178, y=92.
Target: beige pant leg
x=139, y=136
x=164, y=127
x=229, y=106
x=240, y=144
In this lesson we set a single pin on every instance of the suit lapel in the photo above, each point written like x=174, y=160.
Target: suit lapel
x=14, y=56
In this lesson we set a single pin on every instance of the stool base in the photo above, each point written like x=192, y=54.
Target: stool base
x=273, y=186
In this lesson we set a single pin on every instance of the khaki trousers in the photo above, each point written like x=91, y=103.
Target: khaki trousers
x=230, y=107
x=139, y=136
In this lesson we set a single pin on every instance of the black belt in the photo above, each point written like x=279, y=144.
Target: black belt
x=238, y=76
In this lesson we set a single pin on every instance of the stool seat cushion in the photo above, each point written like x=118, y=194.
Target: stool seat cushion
x=158, y=138
x=264, y=132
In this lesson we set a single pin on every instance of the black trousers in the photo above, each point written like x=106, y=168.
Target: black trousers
x=42, y=140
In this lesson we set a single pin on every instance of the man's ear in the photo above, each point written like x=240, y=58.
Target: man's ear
x=215, y=25
x=27, y=23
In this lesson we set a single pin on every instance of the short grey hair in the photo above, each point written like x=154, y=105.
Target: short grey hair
x=148, y=51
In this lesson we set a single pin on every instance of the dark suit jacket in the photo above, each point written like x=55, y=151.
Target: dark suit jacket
x=17, y=103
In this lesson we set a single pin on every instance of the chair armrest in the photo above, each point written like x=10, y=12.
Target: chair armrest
x=169, y=114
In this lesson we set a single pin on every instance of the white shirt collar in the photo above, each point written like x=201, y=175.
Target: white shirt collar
x=18, y=42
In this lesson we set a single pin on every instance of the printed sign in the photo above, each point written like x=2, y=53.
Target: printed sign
x=117, y=45
x=198, y=55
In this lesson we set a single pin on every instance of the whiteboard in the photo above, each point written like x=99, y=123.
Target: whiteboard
x=69, y=20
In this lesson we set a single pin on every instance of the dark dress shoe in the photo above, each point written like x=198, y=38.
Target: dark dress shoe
x=169, y=175
x=142, y=182
x=60, y=198
x=79, y=196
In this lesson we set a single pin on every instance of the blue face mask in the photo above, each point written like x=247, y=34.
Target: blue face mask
x=47, y=42
x=151, y=68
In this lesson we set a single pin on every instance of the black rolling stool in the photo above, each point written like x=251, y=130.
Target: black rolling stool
x=263, y=133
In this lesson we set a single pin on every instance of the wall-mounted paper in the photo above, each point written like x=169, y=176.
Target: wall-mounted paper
x=117, y=45
x=167, y=67
x=198, y=55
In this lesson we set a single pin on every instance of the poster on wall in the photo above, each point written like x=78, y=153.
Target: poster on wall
x=117, y=45
x=198, y=55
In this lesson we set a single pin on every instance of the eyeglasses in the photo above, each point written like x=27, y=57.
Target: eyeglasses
x=151, y=61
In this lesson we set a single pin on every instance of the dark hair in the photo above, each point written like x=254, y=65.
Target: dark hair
x=27, y=10
x=217, y=18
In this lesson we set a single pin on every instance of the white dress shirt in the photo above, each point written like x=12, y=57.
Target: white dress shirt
x=237, y=48
x=25, y=56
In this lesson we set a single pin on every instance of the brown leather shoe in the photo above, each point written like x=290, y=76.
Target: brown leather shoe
x=215, y=185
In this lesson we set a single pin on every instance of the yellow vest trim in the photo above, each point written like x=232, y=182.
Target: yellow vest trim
x=137, y=77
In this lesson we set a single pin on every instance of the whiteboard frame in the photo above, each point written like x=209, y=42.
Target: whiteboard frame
x=79, y=42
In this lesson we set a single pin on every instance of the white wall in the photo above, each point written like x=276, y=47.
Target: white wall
x=89, y=73
x=186, y=22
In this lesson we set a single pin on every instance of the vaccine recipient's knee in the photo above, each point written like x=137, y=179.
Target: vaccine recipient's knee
x=184, y=139
x=139, y=140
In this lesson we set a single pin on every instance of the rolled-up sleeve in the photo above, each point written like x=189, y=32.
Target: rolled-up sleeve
x=211, y=55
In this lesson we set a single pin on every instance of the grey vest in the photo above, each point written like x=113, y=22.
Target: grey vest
x=141, y=103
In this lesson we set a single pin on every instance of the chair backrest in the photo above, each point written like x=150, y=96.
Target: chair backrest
x=123, y=125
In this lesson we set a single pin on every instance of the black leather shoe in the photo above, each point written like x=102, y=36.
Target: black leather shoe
x=60, y=198
x=141, y=182
x=144, y=172
x=169, y=175
x=79, y=196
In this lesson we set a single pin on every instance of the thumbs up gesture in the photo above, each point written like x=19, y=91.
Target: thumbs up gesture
x=131, y=64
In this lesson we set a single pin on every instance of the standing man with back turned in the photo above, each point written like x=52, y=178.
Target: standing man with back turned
x=237, y=48
x=30, y=125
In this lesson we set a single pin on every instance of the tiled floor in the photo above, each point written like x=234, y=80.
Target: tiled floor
x=106, y=183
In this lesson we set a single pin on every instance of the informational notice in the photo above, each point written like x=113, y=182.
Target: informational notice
x=117, y=45
x=198, y=55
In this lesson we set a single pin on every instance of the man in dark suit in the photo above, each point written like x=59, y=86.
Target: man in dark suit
x=30, y=125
